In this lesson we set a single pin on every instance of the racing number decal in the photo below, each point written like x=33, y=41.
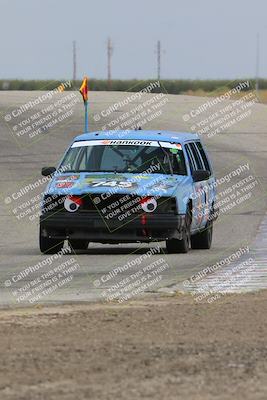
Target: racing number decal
x=114, y=183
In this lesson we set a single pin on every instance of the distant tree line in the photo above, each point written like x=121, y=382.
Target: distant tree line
x=134, y=85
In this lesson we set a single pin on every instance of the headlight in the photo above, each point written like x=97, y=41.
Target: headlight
x=149, y=204
x=72, y=203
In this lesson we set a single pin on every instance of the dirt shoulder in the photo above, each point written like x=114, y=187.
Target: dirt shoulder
x=160, y=348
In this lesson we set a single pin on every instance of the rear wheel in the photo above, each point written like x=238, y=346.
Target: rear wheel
x=50, y=246
x=203, y=239
x=79, y=244
x=183, y=245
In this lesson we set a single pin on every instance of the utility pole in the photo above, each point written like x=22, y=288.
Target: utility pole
x=257, y=65
x=159, y=58
x=109, y=54
x=74, y=53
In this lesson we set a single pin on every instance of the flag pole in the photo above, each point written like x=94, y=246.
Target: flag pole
x=84, y=93
x=86, y=116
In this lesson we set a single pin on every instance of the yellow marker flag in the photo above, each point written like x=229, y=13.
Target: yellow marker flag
x=84, y=89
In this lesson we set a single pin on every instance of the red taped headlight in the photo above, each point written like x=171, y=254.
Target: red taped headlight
x=149, y=204
x=73, y=203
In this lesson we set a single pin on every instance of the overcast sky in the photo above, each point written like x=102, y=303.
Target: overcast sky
x=201, y=38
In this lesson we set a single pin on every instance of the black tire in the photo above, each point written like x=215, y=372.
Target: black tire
x=79, y=244
x=183, y=245
x=203, y=239
x=50, y=246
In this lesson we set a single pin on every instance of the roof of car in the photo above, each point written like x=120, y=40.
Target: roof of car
x=178, y=137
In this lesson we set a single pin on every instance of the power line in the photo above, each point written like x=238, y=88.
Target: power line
x=74, y=53
x=257, y=64
x=159, y=58
x=159, y=53
x=109, y=54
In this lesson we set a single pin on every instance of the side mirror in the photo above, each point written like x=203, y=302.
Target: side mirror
x=46, y=171
x=200, y=175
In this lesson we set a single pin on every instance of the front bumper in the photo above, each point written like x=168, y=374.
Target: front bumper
x=92, y=226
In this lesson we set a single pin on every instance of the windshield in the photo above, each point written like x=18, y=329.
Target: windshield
x=131, y=157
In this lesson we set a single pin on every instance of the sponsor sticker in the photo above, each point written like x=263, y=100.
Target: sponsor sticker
x=67, y=177
x=64, y=185
x=129, y=142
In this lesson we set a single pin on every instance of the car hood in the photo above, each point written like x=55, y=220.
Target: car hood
x=115, y=183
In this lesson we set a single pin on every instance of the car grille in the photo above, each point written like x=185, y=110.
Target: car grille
x=115, y=204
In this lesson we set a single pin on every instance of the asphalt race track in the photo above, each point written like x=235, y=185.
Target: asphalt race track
x=244, y=144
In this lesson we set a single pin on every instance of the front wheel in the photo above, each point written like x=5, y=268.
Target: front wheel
x=203, y=239
x=183, y=245
x=78, y=244
x=50, y=246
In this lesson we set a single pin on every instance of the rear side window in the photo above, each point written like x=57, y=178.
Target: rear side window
x=190, y=156
x=195, y=160
x=203, y=156
x=198, y=161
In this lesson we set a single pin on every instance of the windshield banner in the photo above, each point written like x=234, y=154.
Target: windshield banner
x=133, y=142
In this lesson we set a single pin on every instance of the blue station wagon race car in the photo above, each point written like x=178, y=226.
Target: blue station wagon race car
x=130, y=186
